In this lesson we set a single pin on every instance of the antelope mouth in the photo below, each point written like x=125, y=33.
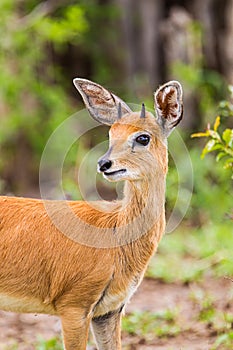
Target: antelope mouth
x=116, y=172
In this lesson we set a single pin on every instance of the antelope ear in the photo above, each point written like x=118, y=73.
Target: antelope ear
x=102, y=105
x=169, y=106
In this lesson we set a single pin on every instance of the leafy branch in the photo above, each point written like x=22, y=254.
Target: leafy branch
x=221, y=142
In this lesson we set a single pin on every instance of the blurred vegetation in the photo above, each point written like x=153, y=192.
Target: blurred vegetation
x=36, y=57
x=51, y=344
x=196, y=253
x=42, y=46
x=148, y=325
x=207, y=85
x=33, y=99
x=220, y=141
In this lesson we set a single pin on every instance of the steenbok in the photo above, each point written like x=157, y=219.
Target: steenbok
x=44, y=269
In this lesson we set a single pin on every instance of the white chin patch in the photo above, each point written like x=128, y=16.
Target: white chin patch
x=115, y=175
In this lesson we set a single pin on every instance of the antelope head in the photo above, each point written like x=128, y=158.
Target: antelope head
x=137, y=140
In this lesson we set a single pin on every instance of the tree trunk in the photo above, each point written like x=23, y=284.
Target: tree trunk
x=140, y=24
x=225, y=40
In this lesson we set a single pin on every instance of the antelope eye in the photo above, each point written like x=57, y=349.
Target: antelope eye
x=143, y=139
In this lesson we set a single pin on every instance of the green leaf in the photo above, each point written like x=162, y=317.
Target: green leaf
x=228, y=137
x=208, y=148
x=220, y=156
x=200, y=134
x=217, y=123
x=217, y=146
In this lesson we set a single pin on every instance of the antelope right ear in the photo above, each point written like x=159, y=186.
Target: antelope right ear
x=169, y=106
x=102, y=105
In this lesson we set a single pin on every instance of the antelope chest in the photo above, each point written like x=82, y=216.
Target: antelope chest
x=116, y=295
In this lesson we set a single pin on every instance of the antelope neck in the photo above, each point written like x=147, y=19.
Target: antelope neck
x=142, y=207
x=145, y=193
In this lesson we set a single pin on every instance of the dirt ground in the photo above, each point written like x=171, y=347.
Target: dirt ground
x=151, y=296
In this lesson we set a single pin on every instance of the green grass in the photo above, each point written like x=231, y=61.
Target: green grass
x=190, y=253
x=224, y=342
x=51, y=344
x=218, y=321
x=148, y=325
x=42, y=344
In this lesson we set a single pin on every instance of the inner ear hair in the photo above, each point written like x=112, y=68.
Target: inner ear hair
x=102, y=104
x=169, y=104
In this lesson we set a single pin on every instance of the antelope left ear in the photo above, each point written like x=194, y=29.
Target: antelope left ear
x=103, y=105
x=169, y=106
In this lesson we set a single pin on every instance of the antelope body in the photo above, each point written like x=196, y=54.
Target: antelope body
x=45, y=270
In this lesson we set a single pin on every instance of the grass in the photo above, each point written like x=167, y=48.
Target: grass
x=51, y=344
x=220, y=322
x=189, y=254
x=148, y=325
x=42, y=344
x=224, y=341
x=205, y=305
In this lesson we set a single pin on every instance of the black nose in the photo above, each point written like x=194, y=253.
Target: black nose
x=104, y=164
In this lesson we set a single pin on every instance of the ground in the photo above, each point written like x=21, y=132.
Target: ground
x=173, y=316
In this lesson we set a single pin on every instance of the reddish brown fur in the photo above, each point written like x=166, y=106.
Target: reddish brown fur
x=43, y=270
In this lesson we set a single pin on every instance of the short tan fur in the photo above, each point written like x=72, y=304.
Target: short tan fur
x=45, y=270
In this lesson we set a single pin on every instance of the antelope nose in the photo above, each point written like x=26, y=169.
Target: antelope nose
x=104, y=164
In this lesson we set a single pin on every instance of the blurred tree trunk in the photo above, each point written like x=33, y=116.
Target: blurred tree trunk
x=181, y=45
x=140, y=29
x=216, y=18
x=225, y=42
x=150, y=11
x=203, y=12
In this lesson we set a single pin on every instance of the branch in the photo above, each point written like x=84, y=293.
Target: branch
x=41, y=10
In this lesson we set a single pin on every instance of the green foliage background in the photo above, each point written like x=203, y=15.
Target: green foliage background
x=36, y=96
